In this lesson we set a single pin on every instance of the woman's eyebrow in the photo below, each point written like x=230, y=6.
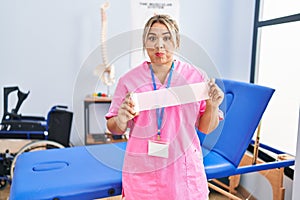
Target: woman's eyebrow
x=166, y=33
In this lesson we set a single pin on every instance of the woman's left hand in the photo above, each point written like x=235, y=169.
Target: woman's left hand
x=216, y=95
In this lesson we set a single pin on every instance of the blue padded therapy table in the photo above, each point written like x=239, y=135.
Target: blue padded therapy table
x=89, y=172
x=84, y=172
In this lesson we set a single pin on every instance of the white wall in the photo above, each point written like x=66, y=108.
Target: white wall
x=44, y=45
x=296, y=193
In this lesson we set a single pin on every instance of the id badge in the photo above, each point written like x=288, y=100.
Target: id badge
x=158, y=149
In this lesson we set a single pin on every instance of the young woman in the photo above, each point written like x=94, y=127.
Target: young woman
x=179, y=175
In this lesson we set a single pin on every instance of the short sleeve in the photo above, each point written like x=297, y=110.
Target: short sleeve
x=117, y=100
x=203, y=107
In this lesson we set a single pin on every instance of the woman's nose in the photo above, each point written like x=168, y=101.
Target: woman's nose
x=160, y=43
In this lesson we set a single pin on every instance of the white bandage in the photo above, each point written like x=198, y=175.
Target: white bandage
x=170, y=96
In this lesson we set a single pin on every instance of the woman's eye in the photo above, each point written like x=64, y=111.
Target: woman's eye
x=166, y=38
x=152, y=38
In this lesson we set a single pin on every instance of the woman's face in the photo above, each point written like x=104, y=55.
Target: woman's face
x=159, y=45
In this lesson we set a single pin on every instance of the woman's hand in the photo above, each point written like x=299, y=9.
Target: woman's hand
x=126, y=113
x=216, y=95
x=210, y=118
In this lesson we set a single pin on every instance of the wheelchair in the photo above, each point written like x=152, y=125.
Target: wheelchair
x=45, y=133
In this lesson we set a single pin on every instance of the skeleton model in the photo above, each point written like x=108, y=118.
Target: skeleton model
x=105, y=70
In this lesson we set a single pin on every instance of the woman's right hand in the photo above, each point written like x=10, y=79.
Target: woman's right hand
x=126, y=112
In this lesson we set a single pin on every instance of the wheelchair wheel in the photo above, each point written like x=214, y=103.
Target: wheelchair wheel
x=34, y=146
x=3, y=183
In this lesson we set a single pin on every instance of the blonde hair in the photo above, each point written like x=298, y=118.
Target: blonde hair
x=168, y=22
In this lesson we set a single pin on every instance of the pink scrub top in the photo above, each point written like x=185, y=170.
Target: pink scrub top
x=181, y=175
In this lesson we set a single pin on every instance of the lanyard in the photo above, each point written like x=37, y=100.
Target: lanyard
x=160, y=112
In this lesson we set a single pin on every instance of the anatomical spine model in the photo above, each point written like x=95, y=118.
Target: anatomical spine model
x=105, y=70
